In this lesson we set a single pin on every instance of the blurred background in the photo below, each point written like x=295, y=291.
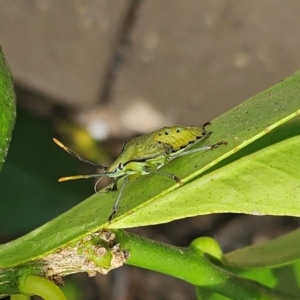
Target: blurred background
x=96, y=73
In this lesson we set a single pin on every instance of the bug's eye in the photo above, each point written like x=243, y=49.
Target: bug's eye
x=120, y=166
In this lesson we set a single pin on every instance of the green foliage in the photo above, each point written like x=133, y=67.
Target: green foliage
x=258, y=172
x=7, y=107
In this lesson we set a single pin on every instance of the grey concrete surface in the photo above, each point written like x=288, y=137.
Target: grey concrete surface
x=189, y=60
x=61, y=48
x=196, y=59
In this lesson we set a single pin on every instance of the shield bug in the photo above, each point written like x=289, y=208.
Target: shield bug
x=146, y=154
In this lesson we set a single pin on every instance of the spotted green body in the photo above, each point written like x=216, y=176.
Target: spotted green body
x=147, y=153
x=153, y=150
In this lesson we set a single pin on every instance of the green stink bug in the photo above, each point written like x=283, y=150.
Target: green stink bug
x=146, y=154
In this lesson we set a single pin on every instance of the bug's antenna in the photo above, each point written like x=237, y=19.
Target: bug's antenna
x=73, y=153
x=74, y=177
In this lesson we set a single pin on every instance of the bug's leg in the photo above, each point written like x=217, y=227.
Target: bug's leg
x=170, y=175
x=96, y=184
x=205, y=135
x=117, y=203
x=204, y=148
x=114, y=186
x=216, y=145
x=205, y=125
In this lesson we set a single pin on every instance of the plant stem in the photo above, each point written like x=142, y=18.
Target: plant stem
x=192, y=265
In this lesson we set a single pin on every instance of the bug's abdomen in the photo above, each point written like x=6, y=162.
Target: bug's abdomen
x=180, y=137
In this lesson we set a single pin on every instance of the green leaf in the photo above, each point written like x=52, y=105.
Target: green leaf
x=266, y=182
x=155, y=199
x=241, y=126
x=278, y=252
x=7, y=107
x=275, y=263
